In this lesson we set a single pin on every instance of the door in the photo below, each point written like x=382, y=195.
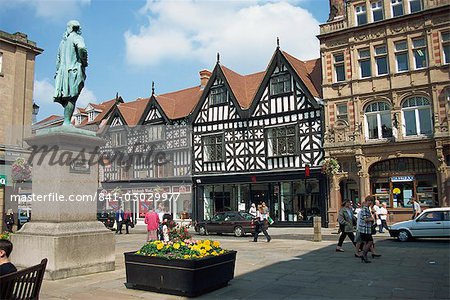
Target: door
x=446, y=227
x=429, y=224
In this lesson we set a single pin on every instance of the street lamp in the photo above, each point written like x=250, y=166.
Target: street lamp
x=35, y=111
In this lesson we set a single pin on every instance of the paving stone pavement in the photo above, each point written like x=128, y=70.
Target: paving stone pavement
x=291, y=266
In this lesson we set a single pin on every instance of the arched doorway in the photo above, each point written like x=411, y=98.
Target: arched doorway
x=396, y=181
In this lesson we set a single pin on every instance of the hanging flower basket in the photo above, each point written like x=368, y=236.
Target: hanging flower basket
x=20, y=170
x=330, y=166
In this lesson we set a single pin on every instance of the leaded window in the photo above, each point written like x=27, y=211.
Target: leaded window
x=218, y=95
x=213, y=149
x=417, y=116
x=280, y=84
x=281, y=140
x=378, y=120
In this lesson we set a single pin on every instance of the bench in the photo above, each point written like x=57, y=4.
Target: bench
x=23, y=284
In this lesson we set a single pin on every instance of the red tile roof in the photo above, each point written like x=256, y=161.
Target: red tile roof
x=132, y=111
x=48, y=119
x=105, y=107
x=181, y=103
x=244, y=87
x=309, y=71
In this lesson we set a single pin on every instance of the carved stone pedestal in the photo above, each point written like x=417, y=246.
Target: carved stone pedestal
x=64, y=226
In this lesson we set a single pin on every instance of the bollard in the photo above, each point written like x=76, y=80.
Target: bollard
x=317, y=221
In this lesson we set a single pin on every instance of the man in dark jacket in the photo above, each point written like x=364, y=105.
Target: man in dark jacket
x=120, y=217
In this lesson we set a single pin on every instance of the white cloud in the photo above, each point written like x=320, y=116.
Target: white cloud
x=44, y=89
x=54, y=9
x=243, y=32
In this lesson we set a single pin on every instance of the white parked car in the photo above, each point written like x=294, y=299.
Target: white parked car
x=432, y=222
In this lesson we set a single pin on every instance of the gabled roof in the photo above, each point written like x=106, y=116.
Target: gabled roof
x=132, y=111
x=309, y=71
x=179, y=104
x=244, y=87
x=106, y=108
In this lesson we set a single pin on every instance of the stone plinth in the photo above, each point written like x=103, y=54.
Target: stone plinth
x=64, y=226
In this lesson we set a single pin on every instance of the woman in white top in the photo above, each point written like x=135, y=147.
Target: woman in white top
x=252, y=210
x=383, y=217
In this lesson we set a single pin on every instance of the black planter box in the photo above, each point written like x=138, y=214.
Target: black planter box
x=179, y=277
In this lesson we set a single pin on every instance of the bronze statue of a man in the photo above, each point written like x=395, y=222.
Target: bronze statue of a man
x=70, y=69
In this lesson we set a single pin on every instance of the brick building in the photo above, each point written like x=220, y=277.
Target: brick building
x=386, y=88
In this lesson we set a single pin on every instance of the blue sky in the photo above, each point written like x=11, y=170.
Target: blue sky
x=132, y=43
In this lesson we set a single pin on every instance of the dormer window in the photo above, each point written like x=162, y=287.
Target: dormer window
x=91, y=115
x=218, y=95
x=280, y=84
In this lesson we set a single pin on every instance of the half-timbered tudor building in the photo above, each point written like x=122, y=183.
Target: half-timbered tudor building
x=148, y=150
x=258, y=138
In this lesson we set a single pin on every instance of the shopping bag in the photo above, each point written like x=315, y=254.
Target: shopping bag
x=115, y=225
x=270, y=220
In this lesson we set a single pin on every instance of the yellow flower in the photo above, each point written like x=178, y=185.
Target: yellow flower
x=183, y=244
x=207, y=242
x=176, y=246
x=203, y=251
x=208, y=247
x=185, y=256
x=159, y=246
x=221, y=251
x=216, y=244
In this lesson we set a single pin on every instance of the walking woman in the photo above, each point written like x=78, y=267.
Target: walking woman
x=345, y=219
x=262, y=224
x=366, y=221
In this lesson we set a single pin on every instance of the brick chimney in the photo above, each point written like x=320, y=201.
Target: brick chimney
x=204, y=77
x=337, y=10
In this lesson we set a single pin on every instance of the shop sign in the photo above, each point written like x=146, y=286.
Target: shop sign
x=402, y=178
x=2, y=180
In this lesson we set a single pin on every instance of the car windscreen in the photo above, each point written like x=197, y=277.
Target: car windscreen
x=246, y=216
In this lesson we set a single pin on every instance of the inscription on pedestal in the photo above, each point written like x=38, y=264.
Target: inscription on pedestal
x=80, y=166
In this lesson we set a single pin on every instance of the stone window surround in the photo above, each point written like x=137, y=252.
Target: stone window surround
x=417, y=117
x=378, y=114
x=338, y=64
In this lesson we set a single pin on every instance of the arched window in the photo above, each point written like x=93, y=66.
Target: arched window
x=378, y=120
x=417, y=116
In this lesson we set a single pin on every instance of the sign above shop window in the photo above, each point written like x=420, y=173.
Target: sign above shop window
x=402, y=178
x=2, y=180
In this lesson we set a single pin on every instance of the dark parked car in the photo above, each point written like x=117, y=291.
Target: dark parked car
x=107, y=218
x=235, y=222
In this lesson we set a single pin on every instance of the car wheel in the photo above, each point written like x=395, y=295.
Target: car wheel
x=403, y=236
x=202, y=230
x=238, y=231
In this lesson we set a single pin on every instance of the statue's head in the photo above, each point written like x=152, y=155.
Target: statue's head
x=73, y=25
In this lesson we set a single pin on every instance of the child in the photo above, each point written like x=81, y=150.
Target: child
x=165, y=231
x=6, y=266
